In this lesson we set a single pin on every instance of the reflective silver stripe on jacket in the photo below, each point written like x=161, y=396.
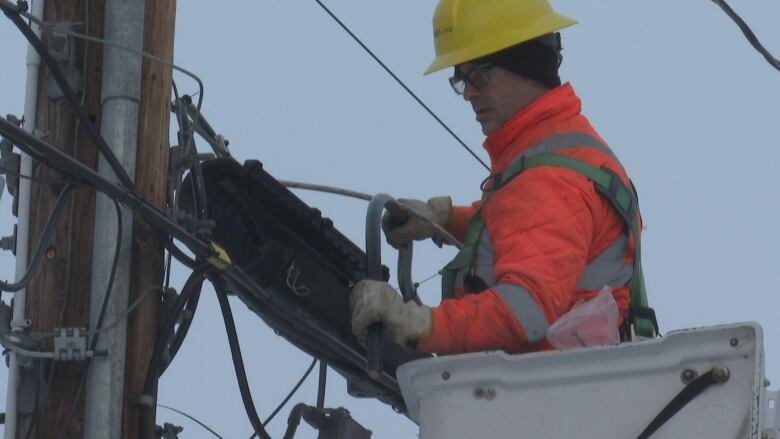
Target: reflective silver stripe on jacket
x=563, y=141
x=525, y=308
x=483, y=262
x=607, y=268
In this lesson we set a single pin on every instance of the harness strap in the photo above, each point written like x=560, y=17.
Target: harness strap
x=460, y=271
x=464, y=260
x=623, y=200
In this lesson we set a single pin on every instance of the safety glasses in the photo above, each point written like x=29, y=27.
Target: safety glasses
x=477, y=77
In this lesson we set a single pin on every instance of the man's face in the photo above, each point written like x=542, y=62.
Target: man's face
x=501, y=97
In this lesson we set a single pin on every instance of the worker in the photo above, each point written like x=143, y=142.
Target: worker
x=544, y=235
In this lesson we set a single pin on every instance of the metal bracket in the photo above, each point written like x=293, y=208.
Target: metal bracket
x=9, y=242
x=62, y=48
x=201, y=228
x=18, y=325
x=143, y=401
x=71, y=344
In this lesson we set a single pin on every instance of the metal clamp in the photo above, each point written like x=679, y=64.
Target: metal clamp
x=20, y=325
x=70, y=344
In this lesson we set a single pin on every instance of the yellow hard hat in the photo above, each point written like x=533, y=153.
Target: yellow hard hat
x=464, y=30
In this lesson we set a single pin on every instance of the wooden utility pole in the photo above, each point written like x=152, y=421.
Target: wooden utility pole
x=152, y=181
x=58, y=295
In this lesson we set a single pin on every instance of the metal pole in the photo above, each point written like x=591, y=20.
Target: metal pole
x=19, y=318
x=121, y=85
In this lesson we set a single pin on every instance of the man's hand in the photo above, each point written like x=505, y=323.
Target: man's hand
x=377, y=302
x=399, y=231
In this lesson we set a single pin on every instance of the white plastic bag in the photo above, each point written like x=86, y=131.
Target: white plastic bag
x=589, y=323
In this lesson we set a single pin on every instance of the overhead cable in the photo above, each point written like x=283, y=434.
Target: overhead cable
x=109, y=326
x=288, y=397
x=402, y=84
x=42, y=242
x=194, y=283
x=321, y=386
x=53, y=157
x=751, y=37
x=238, y=361
x=185, y=321
x=367, y=197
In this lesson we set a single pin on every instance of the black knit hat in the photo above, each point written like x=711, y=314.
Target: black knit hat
x=537, y=59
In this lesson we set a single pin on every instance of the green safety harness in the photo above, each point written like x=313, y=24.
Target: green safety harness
x=640, y=319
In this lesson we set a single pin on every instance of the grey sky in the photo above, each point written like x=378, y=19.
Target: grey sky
x=689, y=107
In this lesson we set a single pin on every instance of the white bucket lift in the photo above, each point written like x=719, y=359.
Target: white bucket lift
x=599, y=393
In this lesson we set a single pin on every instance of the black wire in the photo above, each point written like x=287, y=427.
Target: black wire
x=175, y=90
x=42, y=242
x=184, y=327
x=37, y=179
x=193, y=284
x=401, y=83
x=238, y=362
x=774, y=62
x=69, y=95
x=112, y=275
x=162, y=225
x=289, y=395
x=321, y=386
x=192, y=418
x=36, y=403
x=173, y=250
x=109, y=287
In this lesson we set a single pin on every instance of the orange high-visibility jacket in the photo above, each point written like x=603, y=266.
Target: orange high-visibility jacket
x=548, y=228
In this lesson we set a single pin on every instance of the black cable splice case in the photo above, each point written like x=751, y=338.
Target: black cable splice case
x=303, y=269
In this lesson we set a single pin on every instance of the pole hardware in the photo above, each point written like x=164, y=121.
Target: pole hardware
x=8, y=243
x=21, y=324
x=10, y=164
x=70, y=344
x=168, y=431
x=188, y=115
x=143, y=400
x=201, y=228
x=62, y=48
x=6, y=314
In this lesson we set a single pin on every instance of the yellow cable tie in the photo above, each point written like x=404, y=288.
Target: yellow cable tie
x=220, y=259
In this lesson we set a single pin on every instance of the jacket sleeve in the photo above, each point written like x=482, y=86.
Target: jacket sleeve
x=541, y=225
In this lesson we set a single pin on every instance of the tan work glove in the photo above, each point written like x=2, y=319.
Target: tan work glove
x=377, y=302
x=399, y=231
